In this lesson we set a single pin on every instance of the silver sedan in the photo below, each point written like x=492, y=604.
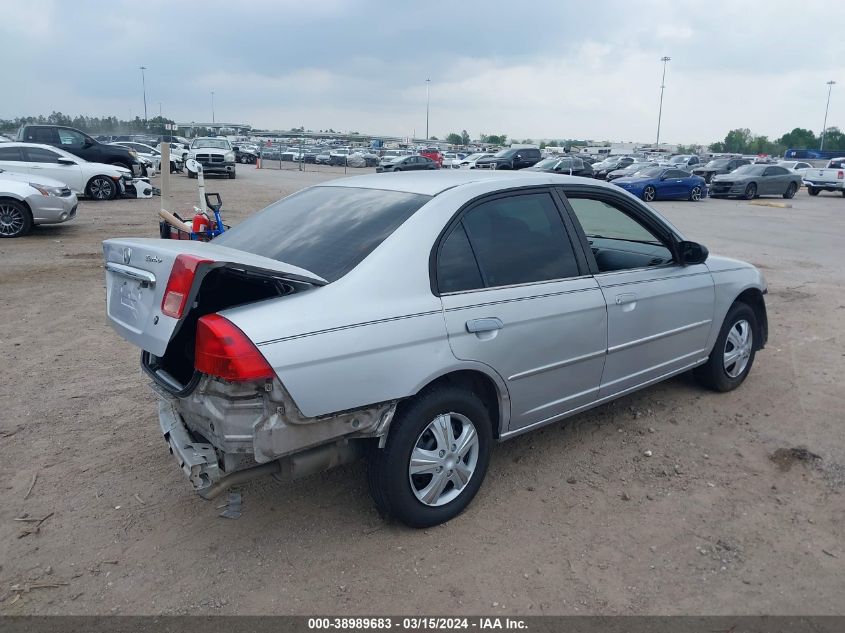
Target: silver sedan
x=27, y=200
x=417, y=320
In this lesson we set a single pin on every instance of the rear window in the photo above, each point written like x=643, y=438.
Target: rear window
x=325, y=230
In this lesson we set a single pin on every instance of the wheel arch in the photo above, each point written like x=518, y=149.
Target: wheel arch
x=753, y=297
x=491, y=390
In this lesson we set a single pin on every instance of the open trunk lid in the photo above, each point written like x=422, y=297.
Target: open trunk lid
x=137, y=273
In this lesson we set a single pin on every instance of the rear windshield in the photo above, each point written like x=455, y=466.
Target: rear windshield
x=325, y=230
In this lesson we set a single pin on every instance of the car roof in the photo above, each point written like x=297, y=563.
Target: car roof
x=431, y=183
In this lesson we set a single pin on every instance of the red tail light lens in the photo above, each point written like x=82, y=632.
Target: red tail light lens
x=841, y=174
x=223, y=350
x=179, y=284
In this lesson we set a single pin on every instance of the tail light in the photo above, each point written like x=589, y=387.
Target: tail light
x=841, y=174
x=179, y=284
x=223, y=350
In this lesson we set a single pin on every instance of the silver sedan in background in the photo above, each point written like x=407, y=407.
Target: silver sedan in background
x=417, y=319
x=27, y=200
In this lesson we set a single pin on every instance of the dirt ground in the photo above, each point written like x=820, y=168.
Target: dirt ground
x=724, y=517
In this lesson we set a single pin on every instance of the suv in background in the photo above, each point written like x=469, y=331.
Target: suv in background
x=81, y=144
x=512, y=158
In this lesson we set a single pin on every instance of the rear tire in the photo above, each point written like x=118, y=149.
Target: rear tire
x=397, y=492
x=813, y=191
x=718, y=373
x=101, y=188
x=15, y=219
x=790, y=191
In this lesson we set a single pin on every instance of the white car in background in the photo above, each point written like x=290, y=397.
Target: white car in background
x=148, y=156
x=177, y=150
x=452, y=160
x=469, y=161
x=798, y=166
x=94, y=180
x=26, y=201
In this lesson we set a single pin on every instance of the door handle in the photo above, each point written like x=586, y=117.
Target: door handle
x=627, y=300
x=489, y=324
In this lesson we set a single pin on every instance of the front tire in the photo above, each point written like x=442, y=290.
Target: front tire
x=649, y=193
x=101, y=188
x=733, y=353
x=695, y=194
x=15, y=219
x=232, y=175
x=790, y=191
x=750, y=191
x=434, y=461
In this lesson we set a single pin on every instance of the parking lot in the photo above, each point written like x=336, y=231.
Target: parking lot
x=727, y=515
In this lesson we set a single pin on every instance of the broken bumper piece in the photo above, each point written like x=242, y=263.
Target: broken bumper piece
x=196, y=459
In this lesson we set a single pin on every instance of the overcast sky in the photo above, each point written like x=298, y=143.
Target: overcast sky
x=526, y=69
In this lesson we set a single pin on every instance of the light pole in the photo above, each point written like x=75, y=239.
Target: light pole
x=664, y=59
x=144, y=87
x=159, y=109
x=212, y=108
x=427, y=83
x=830, y=85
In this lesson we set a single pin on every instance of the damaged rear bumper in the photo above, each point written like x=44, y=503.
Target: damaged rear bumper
x=197, y=460
x=220, y=436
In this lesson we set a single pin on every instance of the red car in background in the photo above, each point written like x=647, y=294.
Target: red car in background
x=434, y=154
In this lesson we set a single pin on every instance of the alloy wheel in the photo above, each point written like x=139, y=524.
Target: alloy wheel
x=11, y=220
x=649, y=193
x=738, y=347
x=102, y=188
x=695, y=194
x=443, y=459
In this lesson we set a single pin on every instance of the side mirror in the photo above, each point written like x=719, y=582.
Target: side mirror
x=87, y=143
x=663, y=177
x=65, y=161
x=692, y=253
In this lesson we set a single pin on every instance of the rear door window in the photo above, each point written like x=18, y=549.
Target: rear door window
x=42, y=135
x=40, y=155
x=10, y=153
x=520, y=239
x=325, y=230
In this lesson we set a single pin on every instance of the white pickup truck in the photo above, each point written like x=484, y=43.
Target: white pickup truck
x=831, y=178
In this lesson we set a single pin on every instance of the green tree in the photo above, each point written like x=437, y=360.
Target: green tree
x=465, y=139
x=799, y=138
x=834, y=139
x=495, y=139
x=738, y=140
x=455, y=139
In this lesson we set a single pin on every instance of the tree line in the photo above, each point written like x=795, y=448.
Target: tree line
x=91, y=124
x=743, y=141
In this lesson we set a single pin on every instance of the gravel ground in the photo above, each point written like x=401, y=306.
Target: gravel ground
x=727, y=515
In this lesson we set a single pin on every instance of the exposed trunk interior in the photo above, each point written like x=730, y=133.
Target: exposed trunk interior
x=221, y=288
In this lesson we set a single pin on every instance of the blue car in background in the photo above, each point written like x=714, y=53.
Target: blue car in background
x=664, y=183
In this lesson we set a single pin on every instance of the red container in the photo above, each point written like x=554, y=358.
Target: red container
x=200, y=223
